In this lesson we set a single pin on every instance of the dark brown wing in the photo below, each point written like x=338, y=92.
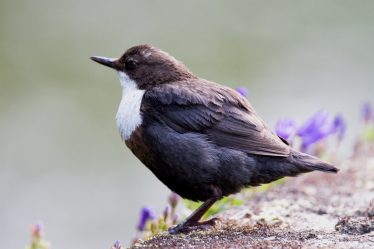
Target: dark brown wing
x=220, y=112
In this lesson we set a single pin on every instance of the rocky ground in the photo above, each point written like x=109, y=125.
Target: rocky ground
x=312, y=211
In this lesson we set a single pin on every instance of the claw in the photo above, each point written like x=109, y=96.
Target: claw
x=186, y=228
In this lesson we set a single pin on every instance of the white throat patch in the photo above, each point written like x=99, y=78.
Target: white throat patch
x=128, y=116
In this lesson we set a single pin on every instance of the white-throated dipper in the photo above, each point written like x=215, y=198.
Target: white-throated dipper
x=201, y=139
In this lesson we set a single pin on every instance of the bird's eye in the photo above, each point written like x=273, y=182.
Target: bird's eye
x=130, y=64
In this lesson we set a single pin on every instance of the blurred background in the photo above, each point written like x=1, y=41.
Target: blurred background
x=61, y=158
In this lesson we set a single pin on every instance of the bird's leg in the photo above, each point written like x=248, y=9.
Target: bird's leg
x=192, y=221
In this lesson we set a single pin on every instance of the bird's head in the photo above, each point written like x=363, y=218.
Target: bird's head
x=147, y=66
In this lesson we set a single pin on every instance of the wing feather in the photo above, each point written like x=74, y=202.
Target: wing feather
x=227, y=118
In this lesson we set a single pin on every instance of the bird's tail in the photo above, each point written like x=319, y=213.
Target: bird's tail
x=307, y=163
x=269, y=169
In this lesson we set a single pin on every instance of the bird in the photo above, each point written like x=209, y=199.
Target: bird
x=203, y=140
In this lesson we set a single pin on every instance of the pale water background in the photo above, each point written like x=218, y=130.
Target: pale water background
x=61, y=159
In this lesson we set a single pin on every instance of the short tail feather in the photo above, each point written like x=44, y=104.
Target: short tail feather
x=310, y=163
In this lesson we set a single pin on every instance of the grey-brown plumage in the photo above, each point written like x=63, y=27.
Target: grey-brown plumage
x=201, y=139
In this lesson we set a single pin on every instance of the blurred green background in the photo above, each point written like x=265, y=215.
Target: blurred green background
x=61, y=158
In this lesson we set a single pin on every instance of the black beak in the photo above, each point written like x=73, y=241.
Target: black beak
x=109, y=62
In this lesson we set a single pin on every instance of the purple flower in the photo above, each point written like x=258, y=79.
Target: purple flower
x=318, y=127
x=173, y=200
x=367, y=112
x=286, y=127
x=166, y=213
x=242, y=91
x=146, y=214
x=116, y=245
x=37, y=230
x=340, y=126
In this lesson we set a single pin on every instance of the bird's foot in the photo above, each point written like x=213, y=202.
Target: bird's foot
x=186, y=228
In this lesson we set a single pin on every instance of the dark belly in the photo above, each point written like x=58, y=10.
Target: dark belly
x=188, y=163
